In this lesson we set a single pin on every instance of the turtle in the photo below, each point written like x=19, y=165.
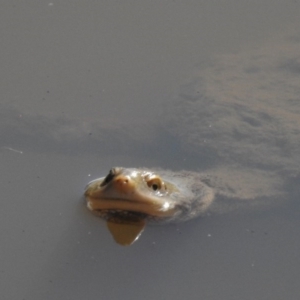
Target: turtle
x=129, y=197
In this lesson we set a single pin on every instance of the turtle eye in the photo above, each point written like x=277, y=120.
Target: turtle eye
x=155, y=183
x=154, y=187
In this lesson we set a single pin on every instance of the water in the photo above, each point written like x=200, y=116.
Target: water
x=89, y=86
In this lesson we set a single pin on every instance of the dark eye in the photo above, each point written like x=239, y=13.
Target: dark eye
x=154, y=183
x=154, y=187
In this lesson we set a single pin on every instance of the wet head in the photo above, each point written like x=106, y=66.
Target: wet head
x=132, y=197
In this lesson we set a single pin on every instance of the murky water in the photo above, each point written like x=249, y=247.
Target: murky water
x=88, y=87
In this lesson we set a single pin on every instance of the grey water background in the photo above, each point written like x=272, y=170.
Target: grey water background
x=87, y=86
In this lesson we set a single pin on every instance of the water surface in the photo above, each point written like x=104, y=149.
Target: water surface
x=89, y=86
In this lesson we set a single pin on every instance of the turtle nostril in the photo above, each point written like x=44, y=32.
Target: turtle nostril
x=123, y=180
x=123, y=184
